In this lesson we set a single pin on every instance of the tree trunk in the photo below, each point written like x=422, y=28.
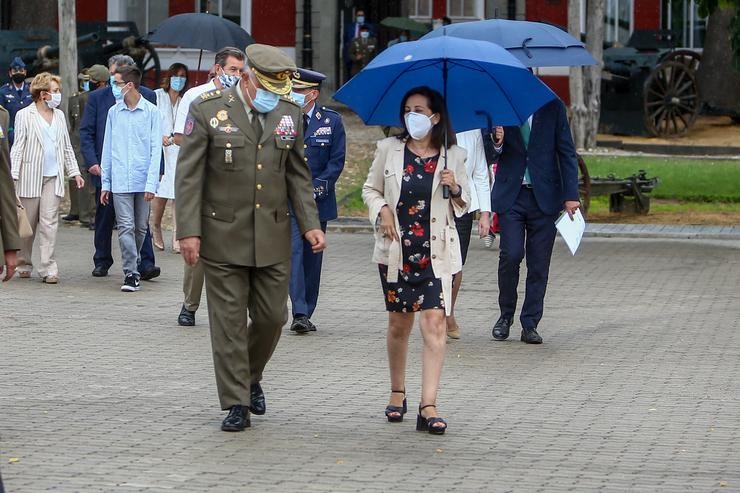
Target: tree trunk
x=68, y=50
x=595, y=45
x=719, y=82
x=578, y=112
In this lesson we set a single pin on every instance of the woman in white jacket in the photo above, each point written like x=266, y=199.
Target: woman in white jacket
x=40, y=155
x=476, y=169
x=416, y=244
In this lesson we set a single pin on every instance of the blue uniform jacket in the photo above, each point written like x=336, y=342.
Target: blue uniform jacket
x=92, y=128
x=325, y=146
x=550, y=156
x=13, y=102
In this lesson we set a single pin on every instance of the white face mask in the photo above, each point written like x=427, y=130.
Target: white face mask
x=55, y=101
x=418, y=125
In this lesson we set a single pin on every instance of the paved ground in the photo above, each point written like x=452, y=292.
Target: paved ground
x=637, y=387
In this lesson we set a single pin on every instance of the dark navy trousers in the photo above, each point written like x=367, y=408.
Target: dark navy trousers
x=105, y=218
x=305, y=272
x=528, y=232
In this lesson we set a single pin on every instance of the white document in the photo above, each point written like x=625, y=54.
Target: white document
x=571, y=229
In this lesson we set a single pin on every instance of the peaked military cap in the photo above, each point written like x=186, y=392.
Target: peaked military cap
x=17, y=63
x=307, y=79
x=272, y=67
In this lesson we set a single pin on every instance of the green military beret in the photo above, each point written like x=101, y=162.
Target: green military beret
x=272, y=67
x=98, y=73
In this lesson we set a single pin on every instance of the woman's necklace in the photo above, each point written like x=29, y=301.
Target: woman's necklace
x=422, y=154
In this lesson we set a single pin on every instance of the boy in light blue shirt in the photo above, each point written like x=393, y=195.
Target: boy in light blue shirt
x=132, y=150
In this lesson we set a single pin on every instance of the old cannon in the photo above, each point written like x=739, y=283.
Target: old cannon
x=635, y=188
x=649, y=87
x=96, y=42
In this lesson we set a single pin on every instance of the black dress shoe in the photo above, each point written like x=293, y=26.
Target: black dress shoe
x=70, y=217
x=150, y=274
x=257, y=399
x=186, y=317
x=237, y=420
x=501, y=328
x=530, y=336
x=100, y=271
x=301, y=325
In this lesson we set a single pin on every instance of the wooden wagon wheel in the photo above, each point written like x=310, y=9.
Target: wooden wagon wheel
x=146, y=59
x=584, y=185
x=670, y=99
x=689, y=58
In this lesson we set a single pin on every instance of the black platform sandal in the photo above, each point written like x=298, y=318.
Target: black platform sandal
x=427, y=424
x=395, y=413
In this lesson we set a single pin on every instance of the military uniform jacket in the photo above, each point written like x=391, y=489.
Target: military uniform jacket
x=9, y=239
x=233, y=189
x=325, y=147
x=12, y=101
x=76, y=110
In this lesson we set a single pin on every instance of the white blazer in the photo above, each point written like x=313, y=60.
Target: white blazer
x=383, y=187
x=477, y=170
x=27, y=153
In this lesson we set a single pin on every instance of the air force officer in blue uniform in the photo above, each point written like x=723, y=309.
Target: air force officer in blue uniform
x=324, y=149
x=16, y=94
x=536, y=178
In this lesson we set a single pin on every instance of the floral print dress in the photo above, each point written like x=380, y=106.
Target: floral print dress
x=417, y=287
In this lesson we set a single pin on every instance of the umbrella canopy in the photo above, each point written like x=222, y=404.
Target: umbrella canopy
x=478, y=79
x=535, y=44
x=201, y=31
x=404, y=23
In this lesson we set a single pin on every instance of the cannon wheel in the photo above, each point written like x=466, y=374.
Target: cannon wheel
x=670, y=99
x=689, y=58
x=149, y=64
x=584, y=185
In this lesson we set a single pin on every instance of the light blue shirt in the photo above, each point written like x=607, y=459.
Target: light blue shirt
x=132, y=148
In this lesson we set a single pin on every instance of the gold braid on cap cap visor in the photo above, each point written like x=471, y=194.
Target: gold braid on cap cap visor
x=279, y=83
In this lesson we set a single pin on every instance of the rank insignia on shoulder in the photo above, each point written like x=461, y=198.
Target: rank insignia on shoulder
x=210, y=95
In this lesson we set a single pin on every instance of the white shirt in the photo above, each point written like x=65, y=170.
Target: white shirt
x=184, y=108
x=49, y=134
x=477, y=170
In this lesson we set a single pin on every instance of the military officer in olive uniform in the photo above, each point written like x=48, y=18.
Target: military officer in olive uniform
x=16, y=94
x=10, y=242
x=362, y=49
x=324, y=147
x=82, y=201
x=240, y=165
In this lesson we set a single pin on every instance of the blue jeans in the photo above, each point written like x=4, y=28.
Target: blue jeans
x=132, y=213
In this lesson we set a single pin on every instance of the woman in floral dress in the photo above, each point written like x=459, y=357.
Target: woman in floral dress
x=416, y=242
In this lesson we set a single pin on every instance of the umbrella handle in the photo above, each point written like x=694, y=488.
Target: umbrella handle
x=445, y=188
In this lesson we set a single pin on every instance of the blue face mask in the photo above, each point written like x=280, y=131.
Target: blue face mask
x=86, y=85
x=228, y=80
x=360, y=19
x=117, y=91
x=265, y=101
x=177, y=82
x=299, y=98
x=403, y=38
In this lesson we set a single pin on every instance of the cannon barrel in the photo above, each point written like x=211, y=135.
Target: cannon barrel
x=50, y=52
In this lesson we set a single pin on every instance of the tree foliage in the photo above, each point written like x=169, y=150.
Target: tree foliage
x=708, y=7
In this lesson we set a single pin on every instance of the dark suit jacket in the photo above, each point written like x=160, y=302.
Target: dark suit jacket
x=325, y=144
x=551, y=158
x=92, y=129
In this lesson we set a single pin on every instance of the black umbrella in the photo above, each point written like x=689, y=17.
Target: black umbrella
x=202, y=31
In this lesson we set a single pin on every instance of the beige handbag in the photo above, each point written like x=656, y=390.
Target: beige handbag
x=24, y=226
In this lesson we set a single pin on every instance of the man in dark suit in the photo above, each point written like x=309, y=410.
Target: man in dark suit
x=324, y=149
x=351, y=32
x=536, y=178
x=92, y=131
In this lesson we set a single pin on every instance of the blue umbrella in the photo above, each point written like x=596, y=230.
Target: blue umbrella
x=481, y=83
x=535, y=44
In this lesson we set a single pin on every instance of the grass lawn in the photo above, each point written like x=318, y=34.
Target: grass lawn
x=682, y=179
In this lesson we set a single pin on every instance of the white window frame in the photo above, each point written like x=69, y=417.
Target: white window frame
x=414, y=10
x=245, y=12
x=480, y=11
